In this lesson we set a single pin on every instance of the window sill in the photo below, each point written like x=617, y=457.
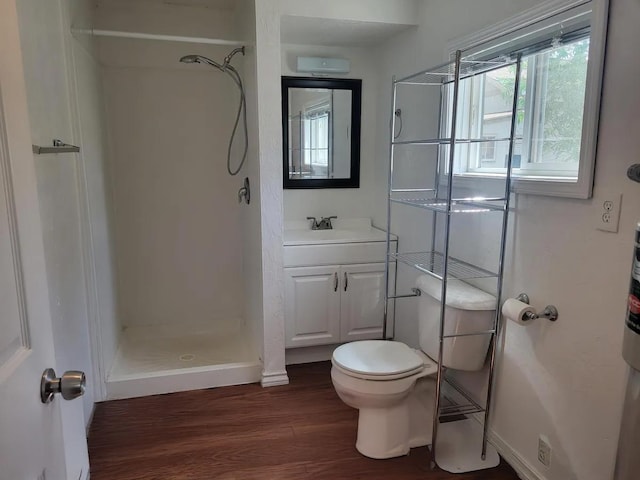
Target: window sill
x=530, y=185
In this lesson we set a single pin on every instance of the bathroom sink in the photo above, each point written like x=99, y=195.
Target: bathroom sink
x=344, y=231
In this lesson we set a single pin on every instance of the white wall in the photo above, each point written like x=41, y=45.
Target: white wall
x=193, y=19
x=572, y=373
x=270, y=188
x=563, y=380
x=268, y=46
x=177, y=219
x=375, y=11
x=343, y=202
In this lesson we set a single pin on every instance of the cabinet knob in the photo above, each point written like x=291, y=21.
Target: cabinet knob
x=346, y=281
x=335, y=281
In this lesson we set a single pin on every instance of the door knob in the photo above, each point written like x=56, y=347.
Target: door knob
x=71, y=385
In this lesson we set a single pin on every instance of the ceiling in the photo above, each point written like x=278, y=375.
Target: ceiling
x=331, y=32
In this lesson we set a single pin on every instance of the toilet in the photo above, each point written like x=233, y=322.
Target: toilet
x=393, y=386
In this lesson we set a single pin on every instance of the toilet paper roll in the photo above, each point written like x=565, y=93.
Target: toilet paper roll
x=515, y=309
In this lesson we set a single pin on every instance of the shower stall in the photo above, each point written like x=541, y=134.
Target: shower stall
x=183, y=246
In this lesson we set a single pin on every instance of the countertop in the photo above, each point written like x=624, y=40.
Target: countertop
x=344, y=231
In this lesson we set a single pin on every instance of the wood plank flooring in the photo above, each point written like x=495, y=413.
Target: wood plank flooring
x=298, y=431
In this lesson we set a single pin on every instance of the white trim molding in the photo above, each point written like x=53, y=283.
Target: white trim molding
x=19, y=348
x=540, y=12
x=513, y=458
x=583, y=187
x=273, y=379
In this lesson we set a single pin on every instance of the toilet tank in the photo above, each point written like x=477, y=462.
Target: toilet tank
x=468, y=310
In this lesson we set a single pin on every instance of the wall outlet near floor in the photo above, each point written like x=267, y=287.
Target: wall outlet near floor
x=608, y=212
x=544, y=450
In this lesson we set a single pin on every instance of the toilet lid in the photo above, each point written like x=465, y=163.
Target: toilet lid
x=377, y=357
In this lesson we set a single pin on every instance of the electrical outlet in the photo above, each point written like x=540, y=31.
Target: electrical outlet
x=608, y=212
x=544, y=450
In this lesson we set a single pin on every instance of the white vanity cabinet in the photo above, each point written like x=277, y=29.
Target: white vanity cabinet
x=311, y=306
x=333, y=304
x=361, y=301
x=334, y=287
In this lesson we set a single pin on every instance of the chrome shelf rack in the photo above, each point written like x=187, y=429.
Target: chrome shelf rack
x=452, y=400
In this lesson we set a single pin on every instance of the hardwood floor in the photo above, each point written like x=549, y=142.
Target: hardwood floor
x=298, y=431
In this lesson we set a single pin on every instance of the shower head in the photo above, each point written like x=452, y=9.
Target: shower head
x=189, y=59
x=201, y=59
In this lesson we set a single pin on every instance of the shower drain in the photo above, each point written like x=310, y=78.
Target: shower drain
x=187, y=357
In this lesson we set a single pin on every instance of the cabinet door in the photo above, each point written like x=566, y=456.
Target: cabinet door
x=362, y=301
x=312, y=306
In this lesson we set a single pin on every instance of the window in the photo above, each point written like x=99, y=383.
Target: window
x=316, y=140
x=558, y=99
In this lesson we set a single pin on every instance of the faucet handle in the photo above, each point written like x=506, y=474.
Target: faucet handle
x=314, y=223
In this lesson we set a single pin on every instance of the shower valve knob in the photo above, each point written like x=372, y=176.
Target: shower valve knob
x=245, y=192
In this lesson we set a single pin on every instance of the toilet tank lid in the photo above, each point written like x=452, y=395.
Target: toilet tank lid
x=460, y=295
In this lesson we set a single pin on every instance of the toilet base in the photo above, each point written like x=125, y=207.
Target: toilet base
x=392, y=431
x=383, y=432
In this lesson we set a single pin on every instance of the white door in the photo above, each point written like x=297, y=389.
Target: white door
x=312, y=306
x=31, y=440
x=362, y=301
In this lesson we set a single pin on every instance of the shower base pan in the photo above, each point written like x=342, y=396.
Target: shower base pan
x=164, y=359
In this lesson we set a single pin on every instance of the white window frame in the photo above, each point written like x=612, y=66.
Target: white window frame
x=545, y=185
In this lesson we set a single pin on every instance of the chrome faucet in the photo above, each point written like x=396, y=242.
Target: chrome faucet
x=323, y=224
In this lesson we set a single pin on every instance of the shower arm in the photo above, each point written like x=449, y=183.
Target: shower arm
x=233, y=52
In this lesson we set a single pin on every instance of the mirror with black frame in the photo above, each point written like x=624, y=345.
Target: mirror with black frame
x=321, y=132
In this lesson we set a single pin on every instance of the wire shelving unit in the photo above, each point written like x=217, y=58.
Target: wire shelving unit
x=444, y=203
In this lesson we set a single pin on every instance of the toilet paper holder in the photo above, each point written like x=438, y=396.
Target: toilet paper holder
x=550, y=312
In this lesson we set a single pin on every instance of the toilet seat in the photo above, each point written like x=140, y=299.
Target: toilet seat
x=380, y=360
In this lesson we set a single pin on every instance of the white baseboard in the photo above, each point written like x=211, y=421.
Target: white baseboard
x=89, y=421
x=274, y=379
x=524, y=470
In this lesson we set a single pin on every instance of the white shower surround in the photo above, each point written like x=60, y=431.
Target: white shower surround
x=220, y=266
x=172, y=358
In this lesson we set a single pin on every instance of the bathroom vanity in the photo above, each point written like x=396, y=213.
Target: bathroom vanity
x=334, y=282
